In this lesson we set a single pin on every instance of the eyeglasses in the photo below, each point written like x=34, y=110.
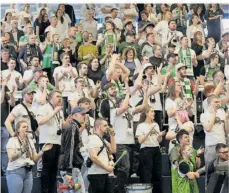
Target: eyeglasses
x=225, y=152
x=80, y=81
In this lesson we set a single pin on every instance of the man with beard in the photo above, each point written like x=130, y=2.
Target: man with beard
x=83, y=71
x=188, y=86
x=216, y=127
x=19, y=112
x=29, y=50
x=51, y=122
x=157, y=59
x=218, y=170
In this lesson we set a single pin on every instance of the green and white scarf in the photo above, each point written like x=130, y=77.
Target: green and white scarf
x=187, y=60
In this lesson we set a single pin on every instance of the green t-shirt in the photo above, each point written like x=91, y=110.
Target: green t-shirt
x=34, y=86
x=25, y=38
x=47, y=57
x=165, y=69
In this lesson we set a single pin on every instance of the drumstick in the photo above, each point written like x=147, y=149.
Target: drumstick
x=123, y=154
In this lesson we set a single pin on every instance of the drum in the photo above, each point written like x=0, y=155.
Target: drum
x=139, y=188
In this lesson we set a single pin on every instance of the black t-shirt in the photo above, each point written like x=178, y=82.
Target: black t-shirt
x=156, y=62
x=95, y=75
x=42, y=25
x=3, y=66
x=5, y=107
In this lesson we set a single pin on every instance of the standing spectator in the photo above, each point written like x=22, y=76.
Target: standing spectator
x=90, y=25
x=41, y=23
x=15, y=33
x=52, y=28
x=87, y=50
x=151, y=11
x=22, y=154
x=129, y=12
x=51, y=122
x=15, y=78
x=5, y=45
x=117, y=21
x=66, y=16
x=7, y=98
x=149, y=136
x=214, y=16
x=94, y=70
x=171, y=67
x=25, y=16
x=215, y=127
x=4, y=59
x=13, y=10
x=193, y=28
x=157, y=59
x=64, y=75
x=144, y=21
x=62, y=24
x=198, y=47
x=29, y=50
x=187, y=56
x=106, y=58
x=8, y=19
x=149, y=46
x=161, y=10
x=99, y=150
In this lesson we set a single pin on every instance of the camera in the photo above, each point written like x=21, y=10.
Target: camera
x=88, y=163
x=59, y=132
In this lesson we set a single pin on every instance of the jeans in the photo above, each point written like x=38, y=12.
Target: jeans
x=150, y=167
x=100, y=183
x=49, y=170
x=19, y=180
x=84, y=170
x=4, y=140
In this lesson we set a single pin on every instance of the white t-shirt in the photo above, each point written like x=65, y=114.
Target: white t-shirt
x=20, y=114
x=13, y=143
x=65, y=83
x=205, y=105
x=144, y=129
x=96, y=143
x=217, y=134
x=36, y=96
x=85, y=136
x=161, y=27
x=48, y=130
x=11, y=82
x=124, y=134
x=169, y=104
x=27, y=74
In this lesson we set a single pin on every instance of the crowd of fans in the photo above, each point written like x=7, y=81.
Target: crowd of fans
x=91, y=95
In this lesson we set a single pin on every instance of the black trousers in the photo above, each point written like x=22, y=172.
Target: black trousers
x=150, y=167
x=49, y=170
x=159, y=119
x=99, y=183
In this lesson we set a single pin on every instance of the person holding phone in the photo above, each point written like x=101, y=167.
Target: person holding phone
x=22, y=155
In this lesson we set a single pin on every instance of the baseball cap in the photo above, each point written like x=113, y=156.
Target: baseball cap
x=28, y=90
x=38, y=69
x=180, y=65
x=171, y=55
x=79, y=109
x=130, y=34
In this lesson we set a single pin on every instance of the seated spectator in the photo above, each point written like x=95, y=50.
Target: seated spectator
x=8, y=19
x=4, y=59
x=94, y=71
x=15, y=33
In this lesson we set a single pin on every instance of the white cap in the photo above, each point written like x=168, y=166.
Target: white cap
x=147, y=65
x=180, y=65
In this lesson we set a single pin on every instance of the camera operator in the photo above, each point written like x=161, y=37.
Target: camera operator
x=99, y=150
x=51, y=121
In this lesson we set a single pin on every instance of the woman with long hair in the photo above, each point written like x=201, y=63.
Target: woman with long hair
x=179, y=109
x=62, y=24
x=186, y=171
x=41, y=23
x=8, y=19
x=149, y=136
x=94, y=70
x=198, y=46
x=131, y=61
x=151, y=11
x=22, y=154
x=25, y=16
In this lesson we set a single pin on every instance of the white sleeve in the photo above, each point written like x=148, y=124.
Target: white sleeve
x=11, y=144
x=140, y=130
x=169, y=104
x=226, y=71
x=203, y=117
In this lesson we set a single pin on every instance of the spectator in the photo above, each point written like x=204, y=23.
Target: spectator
x=149, y=46
x=198, y=47
x=51, y=122
x=41, y=23
x=214, y=16
x=149, y=136
x=157, y=59
x=15, y=33
x=4, y=59
x=144, y=21
x=15, y=78
x=101, y=167
x=52, y=28
x=106, y=58
x=64, y=75
x=117, y=21
x=29, y=50
x=62, y=24
x=8, y=19
x=7, y=100
x=5, y=45
x=13, y=10
x=151, y=11
x=22, y=154
x=94, y=71
x=90, y=25
x=87, y=51
x=171, y=67
x=25, y=16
